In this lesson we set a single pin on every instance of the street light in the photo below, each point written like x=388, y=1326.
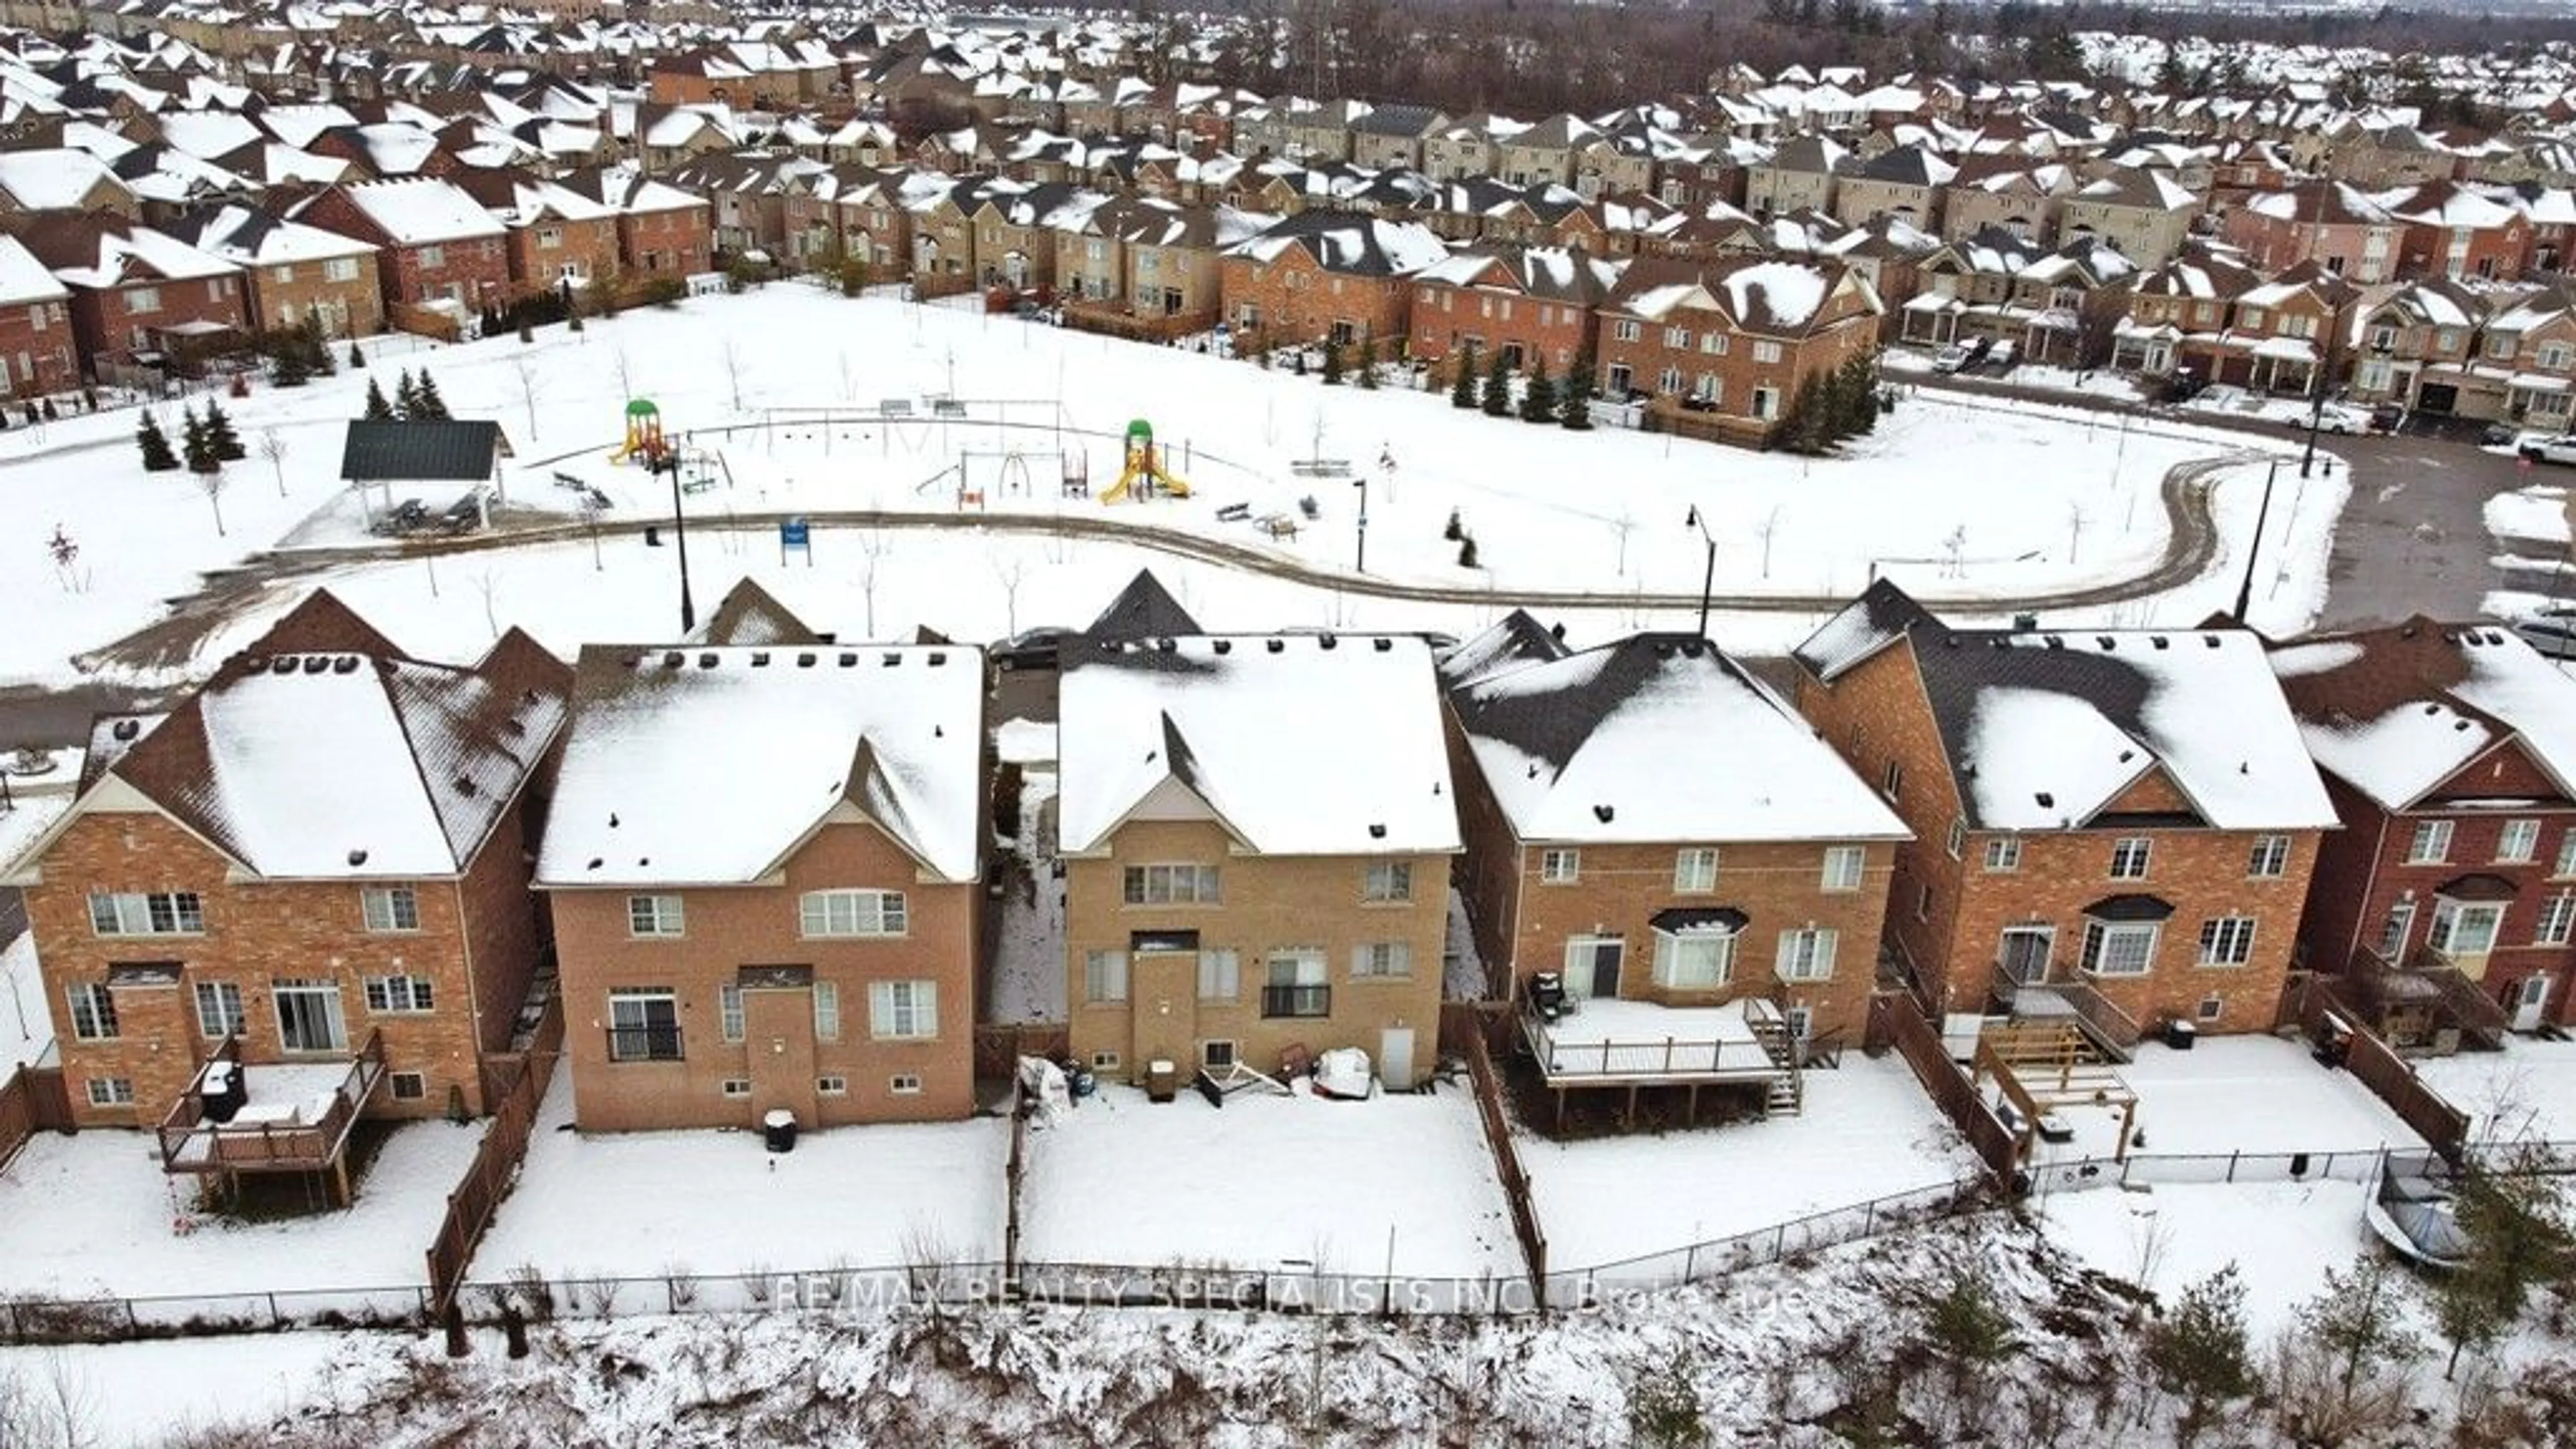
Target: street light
x=2316, y=419
x=1361, y=483
x=2245, y=594
x=1708, y=579
x=669, y=460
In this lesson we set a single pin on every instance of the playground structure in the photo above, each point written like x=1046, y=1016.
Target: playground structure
x=1143, y=475
x=643, y=434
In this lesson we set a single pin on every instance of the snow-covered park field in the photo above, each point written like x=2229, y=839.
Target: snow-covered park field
x=1966, y=501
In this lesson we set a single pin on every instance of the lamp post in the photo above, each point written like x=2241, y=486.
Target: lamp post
x=1708, y=577
x=2316, y=419
x=1361, y=483
x=2254, y=547
x=670, y=460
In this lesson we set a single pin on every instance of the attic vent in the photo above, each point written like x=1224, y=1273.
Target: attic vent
x=596, y=862
x=2161, y=642
x=939, y=732
x=892, y=660
x=1377, y=831
x=2432, y=709
x=2459, y=725
x=1603, y=813
x=2056, y=641
x=612, y=820
x=514, y=726
x=1533, y=769
x=1276, y=645
x=528, y=696
x=707, y=660
x=2406, y=631
x=2210, y=639
x=357, y=858
x=805, y=661
x=848, y=659
x=1556, y=631
x=345, y=664
x=674, y=659
x=760, y=659
x=1328, y=641
x=125, y=729
x=634, y=661
x=465, y=785
x=2046, y=800
x=1664, y=649
x=1166, y=646
x=938, y=657
x=1223, y=646
x=315, y=663
x=2025, y=623
x=2104, y=640
x=2127, y=755
x=254, y=666
x=1952, y=641
x=1384, y=646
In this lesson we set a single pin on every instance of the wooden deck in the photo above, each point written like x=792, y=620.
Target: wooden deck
x=289, y=1131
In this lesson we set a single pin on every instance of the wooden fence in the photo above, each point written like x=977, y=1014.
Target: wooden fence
x=1464, y=1029
x=34, y=1098
x=487, y=1179
x=1896, y=1020
x=1665, y=415
x=2376, y=1065
x=1108, y=319
x=998, y=1049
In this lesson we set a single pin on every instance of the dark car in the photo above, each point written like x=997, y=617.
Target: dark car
x=1030, y=649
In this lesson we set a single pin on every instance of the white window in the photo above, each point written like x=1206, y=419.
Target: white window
x=1104, y=975
x=1172, y=885
x=2520, y=842
x=1713, y=343
x=391, y=908
x=1843, y=866
x=2394, y=930
x=340, y=269
x=2271, y=857
x=2557, y=917
x=140, y=913
x=2566, y=865
x=827, y=1011
x=2003, y=853
x=139, y=300
x=2126, y=948
x=908, y=1084
x=93, y=1011
x=1806, y=954
x=851, y=913
x=1677, y=338
x=2464, y=928
x=2432, y=843
x=1695, y=869
x=2553, y=356
x=831, y=1086
x=1382, y=958
x=2129, y=856
x=1695, y=962
x=281, y=274
x=1388, y=880
x=392, y=994
x=1958, y=837
x=2227, y=941
x=111, y=1091
x=431, y=256
x=735, y=1086
x=219, y=1010
x=1766, y=351
x=409, y=1086
x=904, y=1009
x=1626, y=329
x=1220, y=975
x=644, y=1025
x=1669, y=381
x=654, y=916
x=549, y=237
x=729, y=1018
x=1560, y=867
x=1891, y=781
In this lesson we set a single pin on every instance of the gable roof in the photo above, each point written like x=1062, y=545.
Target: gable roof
x=1143, y=610
x=2397, y=711
x=749, y=614
x=425, y=451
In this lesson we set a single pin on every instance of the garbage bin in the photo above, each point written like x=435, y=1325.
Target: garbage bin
x=779, y=1130
x=1162, y=1080
x=652, y=535
x=2179, y=1034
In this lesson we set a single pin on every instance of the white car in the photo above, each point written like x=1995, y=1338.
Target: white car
x=2559, y=449
x=2337, y=418
x=1950, y=358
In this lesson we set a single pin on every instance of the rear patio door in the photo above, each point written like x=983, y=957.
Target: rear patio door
x=1395, y=1057
x=308, y=1017
x=1592, y=966
x=2530, y=1003
x=2025, y=953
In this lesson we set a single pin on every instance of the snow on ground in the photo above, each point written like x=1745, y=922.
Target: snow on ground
x=2256, y=1095
x=2282, y=1237
x=2537, y=513
x=1867, y=1131
x=1029, y=982
x=2525, y=1092
x=1919, y=499
x=633, y=1204
x=1269, y=1179
x=128, y=1395
x=1462, y=969
x=93, y=1214
x=26, y=1026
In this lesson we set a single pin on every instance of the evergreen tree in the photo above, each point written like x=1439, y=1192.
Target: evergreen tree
x=1865, y=416
x=1574, y=403
x=1538, y=401
x=288, y=364
x=378, y=410
x=427, y=403
x=406, y=397
x=1332, y=363
x=157, y=457
x=2199, y=1355
x=194, y=445
x=221, y=440
x=357, y=359
x=2360, y=1319
x=1368, y=363
x=1803, y=429
x=317, y=347
x=1498, y=388
x=1462, y=381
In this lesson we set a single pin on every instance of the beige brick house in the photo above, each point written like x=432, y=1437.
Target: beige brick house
x=314, y=865
x=1247, y=869
x=765, y=866
x=2118, y=822
x=1659, y=829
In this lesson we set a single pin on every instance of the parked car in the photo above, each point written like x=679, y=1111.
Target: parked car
x=2555, y=638
x=1950, y=358
x=2560, y=448
x=1030, y=649
x=2344, y=418
x=1978, y=350
x=2006, y=353
x=2498, y=435
x=2386, y=417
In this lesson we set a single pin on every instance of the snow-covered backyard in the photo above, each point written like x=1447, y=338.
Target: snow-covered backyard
x=93, y=1215
x=643, y=1204
x=2254, y=1095
x=26, y=1028
x=1028, y=981
x=2282, y=1237
x=1866, y=1131
x=1398, y=1183
x=1945, y=496
x=2527, y=1092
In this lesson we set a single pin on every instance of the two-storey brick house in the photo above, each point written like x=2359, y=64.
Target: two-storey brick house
x=1653, y=825
x=1526, y=305
x=2414, y=346
x=2144, y=215
x=293, y=271
x=1236, y=885
x=557, y=236
x=317, y=858
x=2124, y=821
x=439, y=248
x=136, y=290
x=795, y=931
x=36, y=351
x=1734, y=339
x=2326, y=221
x=1321, y=276
x=2448, y=751
x=662, y=231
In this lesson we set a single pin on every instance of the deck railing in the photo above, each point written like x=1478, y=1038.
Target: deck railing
x=1560, y=1060
x=191, y=1142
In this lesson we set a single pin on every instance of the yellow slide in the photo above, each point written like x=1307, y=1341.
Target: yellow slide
x=1142, y=476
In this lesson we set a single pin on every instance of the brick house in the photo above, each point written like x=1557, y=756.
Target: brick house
x=1231, y=892
x=1459, y=149
x=2143, y=215
x=2008, y=194
x=2532, y=337
x=1906, y=182
x=1393, y=135
x=2417, y=347
x=1532, y=304
x=1014, y=228
x=2326, y=221
x=1145, y=257
x=2283, y=333
x=2386, y=157
x=735, y=942
x=293, y=271
x=440, y=248
x=2445, y=751
x=325, y=844
x=556, y=235
x=1735, y=338
x=868, y=216
x=1606, y=846
x=136, y=293
x=2124, y=821
x=2457, y=231
x=36, y=351
x=1801, y=173
x=2178, y=311
x=1321, y=276
x=662, y=231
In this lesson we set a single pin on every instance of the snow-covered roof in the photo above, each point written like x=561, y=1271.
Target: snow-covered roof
x=1235, y=722
x=1657, y=737
x=2399, y=710
x=703, y=765
x=23, y=279
x=423, y=209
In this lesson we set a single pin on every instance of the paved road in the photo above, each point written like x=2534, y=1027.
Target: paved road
x=33, y=716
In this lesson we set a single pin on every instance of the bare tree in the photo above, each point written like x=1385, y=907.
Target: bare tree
x=872, y=548
x=272, y=446
x=1768, y=529
x=214, y=482
x=525, y=366
x=488, y=584
x=1010, y=575
x=733, y=371
x=625, y=374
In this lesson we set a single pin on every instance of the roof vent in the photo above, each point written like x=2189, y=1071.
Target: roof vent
x=707, y=660
x=315, y=663
x=612, y=820
x=1275, y=645
x=760, y=659
x=1328, y=641
x=345, y=664
x=1603, y=813
x=892, y=660
x=2211, y=640
x=596, y=862
x=126, y=729
x=465, y=785
x=2161, y=642
x=2025, y=623
x=1166, y=645
x=254, y=665
x=1556, y=631
x=939, y=732
x=2127, y=755
x=674, y=659
x=805, y=660
x=1663, y=649
x=634, y=661
x=1377, y=830
x=2056, y=641
x=1533, y=769
x=357, y=858
x=1952, y=641
x=848, y=659
x=1384, y=646
x=2432, y=709
x=2104, y=640
x=2046, y=800
x=938, y=657
x=2460, y=725
x=1223, y=646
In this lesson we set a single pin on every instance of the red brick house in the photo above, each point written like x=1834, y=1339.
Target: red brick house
x=2446, y=751
x=2414, y=346
x=662, y=231
x=2329, y=222
x=441, y=250
x=36, y=352
x=294, y=271
x=557, y=236
x=1322, y=276
x=1526, y=305
x=1734, y=339
x=2457, y=231
x=797, y=934
x=314, y=867
x=2123, y=822
x=137, y=295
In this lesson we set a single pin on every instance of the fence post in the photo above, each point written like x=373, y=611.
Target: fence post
x=2231, y=1165
x=1690, y=1264
x=1869, y=1217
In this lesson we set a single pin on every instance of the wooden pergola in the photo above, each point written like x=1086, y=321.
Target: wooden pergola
x=2040, y=1066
